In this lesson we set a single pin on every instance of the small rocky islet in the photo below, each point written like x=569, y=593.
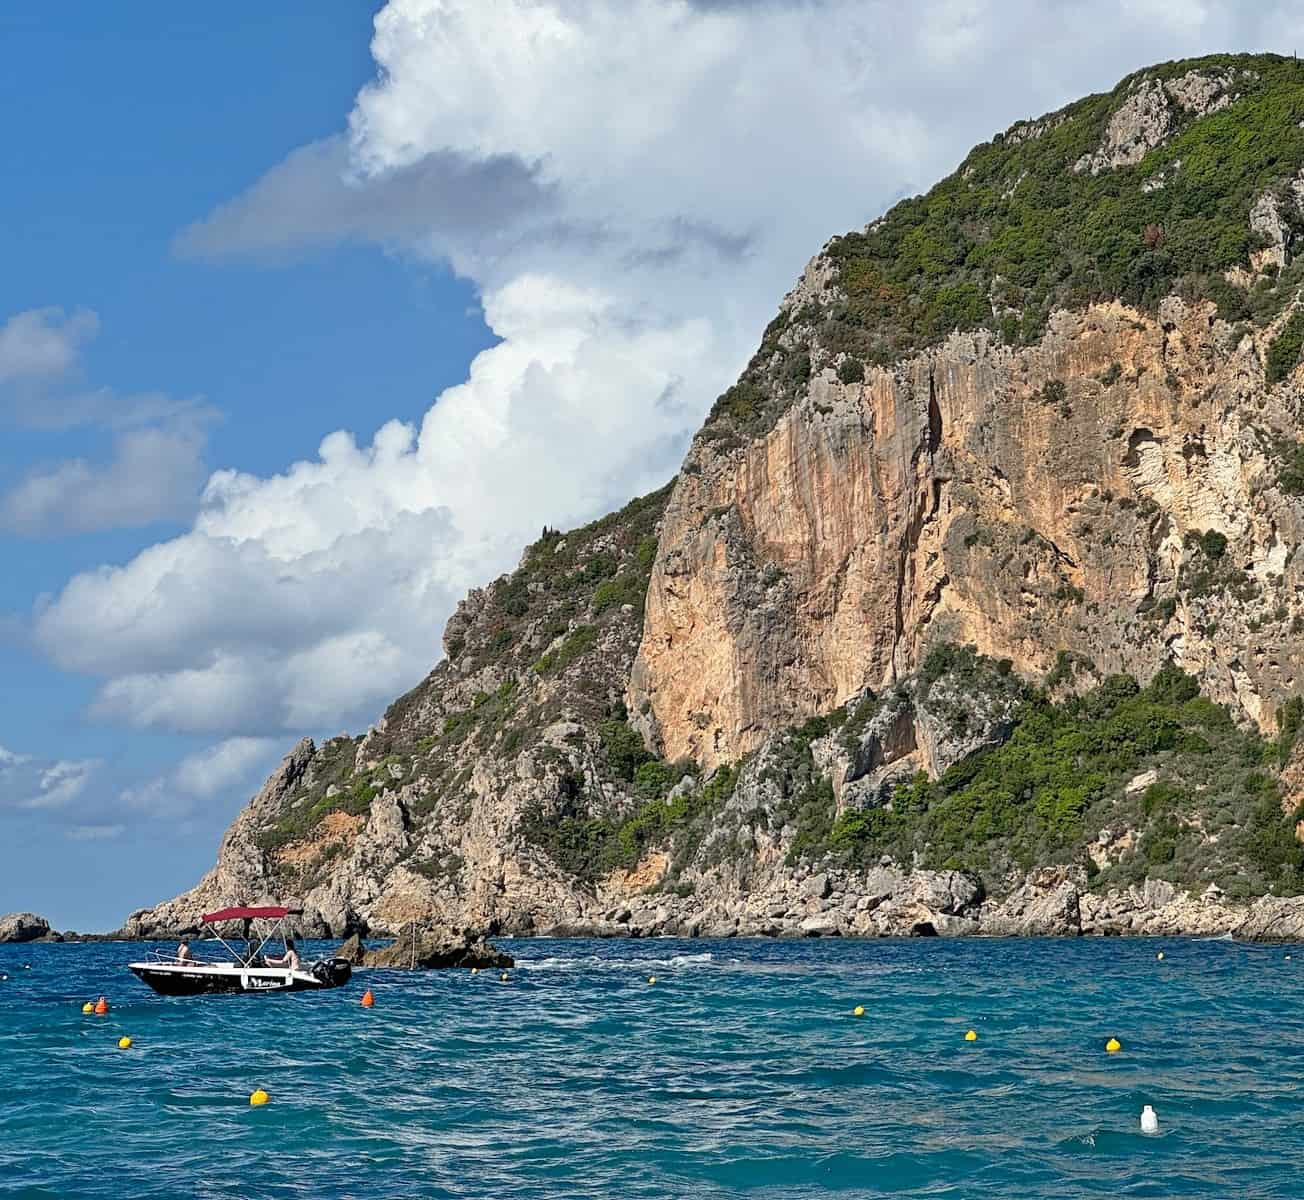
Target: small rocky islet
x=973, y=609
x=22, y=927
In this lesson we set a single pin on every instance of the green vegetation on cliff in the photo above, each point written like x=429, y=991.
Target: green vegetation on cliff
x=331, y=787
x=1017, y=231
x=1064, y=783
x=589, y=845
x=1283, y=354
x=544, y=621
x=578, y=576
x=1213, y=814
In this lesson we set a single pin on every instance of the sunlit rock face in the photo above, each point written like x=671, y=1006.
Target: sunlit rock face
x=1029, y=501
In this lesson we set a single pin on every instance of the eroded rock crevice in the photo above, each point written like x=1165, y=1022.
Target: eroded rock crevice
x=1052, y=521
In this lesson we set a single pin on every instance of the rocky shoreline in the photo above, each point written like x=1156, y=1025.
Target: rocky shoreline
x=886, y=902
x=26, y=928
x=1057, y=912
x=883, y=901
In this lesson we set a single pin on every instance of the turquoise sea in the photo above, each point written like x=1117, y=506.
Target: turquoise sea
x=740, y=1072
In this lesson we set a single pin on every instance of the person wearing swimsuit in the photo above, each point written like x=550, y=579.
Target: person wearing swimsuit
x=289, y=959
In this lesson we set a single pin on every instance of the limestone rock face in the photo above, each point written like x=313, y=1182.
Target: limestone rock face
x=1146, y=117
x=1137, y=127
x=950, y=499
x=1273, y=919
x=23, y=927
x=953, y=721
x=1202, y=92
x=241, y=875
x=885, y=753
x=1046, y=905
x=925, y=904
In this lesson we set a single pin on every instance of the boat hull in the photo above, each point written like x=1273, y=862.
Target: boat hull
x=233, y=979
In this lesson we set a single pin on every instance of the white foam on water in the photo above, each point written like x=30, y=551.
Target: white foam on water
x=596, y=962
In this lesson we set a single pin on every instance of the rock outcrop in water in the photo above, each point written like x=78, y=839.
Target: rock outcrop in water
x=975, y=607
x=428, y=949
x=25, y=927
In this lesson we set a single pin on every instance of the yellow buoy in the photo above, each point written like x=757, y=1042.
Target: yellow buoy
x=971, y=1036
x=858, y=1011
x=503, y=977
x=88, y=1007
x=1160, y=956
x=124, y=1043
x=475, y=970
x=1113, y=1046
x=259, y=1097
x=651, y=979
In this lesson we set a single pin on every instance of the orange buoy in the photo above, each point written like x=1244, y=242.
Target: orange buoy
x=101, y=1006
x=368, y=999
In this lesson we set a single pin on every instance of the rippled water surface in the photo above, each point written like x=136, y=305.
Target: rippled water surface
x=741, y=1072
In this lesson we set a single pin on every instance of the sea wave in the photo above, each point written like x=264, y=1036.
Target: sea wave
x=599, y=962
x=745, y=1072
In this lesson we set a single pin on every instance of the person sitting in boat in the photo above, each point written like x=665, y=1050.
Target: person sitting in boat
x=289, y=959
x=183, y=952
x=252, y=945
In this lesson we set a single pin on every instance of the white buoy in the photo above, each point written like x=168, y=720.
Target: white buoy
x=1149, y=1121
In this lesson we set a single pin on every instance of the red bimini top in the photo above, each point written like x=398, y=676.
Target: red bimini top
x=241, y=914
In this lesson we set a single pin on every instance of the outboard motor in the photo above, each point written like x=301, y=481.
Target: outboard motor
x=333, y=971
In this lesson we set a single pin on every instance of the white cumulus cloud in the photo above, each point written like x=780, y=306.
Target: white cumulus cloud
x=232, y=766
x=154, y=468
x=311, y=598
x=630, y=187
x=30, y=783
x=43, y=342
x=89, y=800
x=153, y=474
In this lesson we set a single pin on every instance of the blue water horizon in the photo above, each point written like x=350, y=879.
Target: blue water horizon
x=741, y=1071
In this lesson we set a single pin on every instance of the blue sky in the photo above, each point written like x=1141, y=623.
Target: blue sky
x=138, y=119
x=308, y=323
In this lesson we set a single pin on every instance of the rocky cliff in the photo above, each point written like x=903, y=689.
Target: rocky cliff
x=25, y=927
x=975, y=605
x=1023, y=500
